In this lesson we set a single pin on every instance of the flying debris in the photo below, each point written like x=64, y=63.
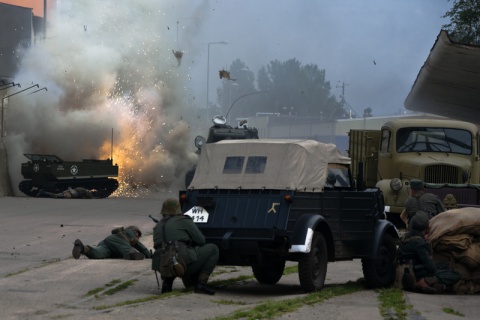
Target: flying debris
x=225, y=74
x=85, y=28
x=178, y=55
x=374, y=62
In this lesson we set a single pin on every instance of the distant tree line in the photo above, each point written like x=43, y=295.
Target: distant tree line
x=464, y=26
x=286, y=88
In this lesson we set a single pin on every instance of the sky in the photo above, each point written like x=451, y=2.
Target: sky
x=109, y=66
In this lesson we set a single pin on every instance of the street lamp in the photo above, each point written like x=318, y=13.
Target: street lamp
x=3, y=108
x=208, y=72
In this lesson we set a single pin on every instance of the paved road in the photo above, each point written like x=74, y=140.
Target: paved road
x=40, y=280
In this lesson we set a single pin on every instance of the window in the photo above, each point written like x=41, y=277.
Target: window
x=233, y=165
x=385, y=147
x=256, y=164
x=426, y=139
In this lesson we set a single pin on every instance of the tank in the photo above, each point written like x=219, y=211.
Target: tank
x=52, y=174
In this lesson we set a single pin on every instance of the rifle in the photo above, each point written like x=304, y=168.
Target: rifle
x=154, y=220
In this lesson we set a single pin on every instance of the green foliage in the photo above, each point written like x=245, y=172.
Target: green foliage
x=464, y=26
x=392, y=304
x=272, y=309
x=451, y=311
x=289, y=88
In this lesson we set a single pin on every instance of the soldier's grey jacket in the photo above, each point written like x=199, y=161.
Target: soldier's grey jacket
x=179, y=228
x=423, y=201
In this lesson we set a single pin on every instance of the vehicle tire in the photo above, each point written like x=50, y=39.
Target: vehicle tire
x=312, y=266
x=379, y=272
x=270, y=271
x=189, y=176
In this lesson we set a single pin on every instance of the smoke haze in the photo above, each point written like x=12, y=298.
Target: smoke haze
x=106, y=66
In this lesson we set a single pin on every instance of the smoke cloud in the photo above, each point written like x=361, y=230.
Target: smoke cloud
x=107, y=67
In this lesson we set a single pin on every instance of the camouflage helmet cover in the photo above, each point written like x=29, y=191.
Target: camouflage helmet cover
x=171, y=207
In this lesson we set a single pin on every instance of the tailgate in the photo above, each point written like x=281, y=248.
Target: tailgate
x=249, y=213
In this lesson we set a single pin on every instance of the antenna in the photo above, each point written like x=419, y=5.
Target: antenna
x=111, y=148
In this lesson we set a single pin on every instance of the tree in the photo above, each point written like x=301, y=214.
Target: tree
x=287, y=88
x=464, y=26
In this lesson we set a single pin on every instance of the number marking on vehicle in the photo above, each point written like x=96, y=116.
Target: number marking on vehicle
x=198, y=214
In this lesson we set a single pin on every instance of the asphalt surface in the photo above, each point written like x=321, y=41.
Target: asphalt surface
x=40, y=280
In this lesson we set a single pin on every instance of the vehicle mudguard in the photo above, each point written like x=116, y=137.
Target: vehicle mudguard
x=382, y=227
x=303, y=232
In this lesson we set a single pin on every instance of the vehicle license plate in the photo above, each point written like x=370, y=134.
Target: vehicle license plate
x=198, y=214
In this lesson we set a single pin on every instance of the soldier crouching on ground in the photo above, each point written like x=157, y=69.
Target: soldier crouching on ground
x=200, y=257
x=428, y=277
x=123, y=243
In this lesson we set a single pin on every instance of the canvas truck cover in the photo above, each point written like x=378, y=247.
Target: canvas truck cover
x=283, y=164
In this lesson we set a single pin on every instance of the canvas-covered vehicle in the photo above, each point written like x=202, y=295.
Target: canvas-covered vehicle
x=264, y=202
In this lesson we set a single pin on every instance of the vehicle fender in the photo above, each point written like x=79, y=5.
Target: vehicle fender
x=303, y=232
x=382, y=227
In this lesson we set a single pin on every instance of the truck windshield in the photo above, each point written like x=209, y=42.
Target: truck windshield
x=425, y=139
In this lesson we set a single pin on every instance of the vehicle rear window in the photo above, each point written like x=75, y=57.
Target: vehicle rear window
x=256, y=164
x=233, y=165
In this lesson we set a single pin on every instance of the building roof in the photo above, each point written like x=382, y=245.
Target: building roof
x=448, y=83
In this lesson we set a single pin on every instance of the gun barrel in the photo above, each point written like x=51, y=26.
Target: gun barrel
x=154, y=220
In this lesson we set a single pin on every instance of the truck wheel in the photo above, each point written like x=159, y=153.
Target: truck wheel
x=269, y=272
x=189, y=176
x=379, y=272
x=312, y=266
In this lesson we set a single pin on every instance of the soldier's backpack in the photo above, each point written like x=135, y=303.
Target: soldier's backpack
x=168, y=260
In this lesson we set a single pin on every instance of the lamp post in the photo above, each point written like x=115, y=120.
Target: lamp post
x=3, y=107
x=208, y=72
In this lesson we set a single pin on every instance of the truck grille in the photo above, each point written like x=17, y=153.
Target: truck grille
x=441, y=174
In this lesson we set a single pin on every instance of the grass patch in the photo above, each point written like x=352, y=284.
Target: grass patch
x=271, y=309
x=392, y=304
x=140, y=300
x=290, y=270
x=454, y=312
x=110, y=284
x=226, y=282
x=230, y=302
x=120, y=287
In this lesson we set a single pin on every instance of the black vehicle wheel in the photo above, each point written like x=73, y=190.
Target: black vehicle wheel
x=379, y=272
x=312, y=266
x=189, y=176
x=269, y=272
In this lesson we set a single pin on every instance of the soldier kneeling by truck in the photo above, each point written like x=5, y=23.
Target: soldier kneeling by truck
x=426, y=276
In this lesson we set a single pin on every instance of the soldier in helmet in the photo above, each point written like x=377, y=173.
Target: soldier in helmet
x=420, y=200
x=123, y=243
x=200, y=257
x=428, y=277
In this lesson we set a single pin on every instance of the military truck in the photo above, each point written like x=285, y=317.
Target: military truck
x=52, y=174
x=221, y=131
x=264, y=202
x=443, y=153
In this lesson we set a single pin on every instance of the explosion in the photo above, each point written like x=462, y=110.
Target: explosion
x=110, y=77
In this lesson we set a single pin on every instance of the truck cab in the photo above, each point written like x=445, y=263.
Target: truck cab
x=441, y=152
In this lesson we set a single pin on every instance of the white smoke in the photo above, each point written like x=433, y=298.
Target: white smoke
x=107, y=65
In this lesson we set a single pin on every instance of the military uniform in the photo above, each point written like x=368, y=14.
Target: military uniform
x=123, y=243
x=414, y=247
x=200, y=257
x=422, y=201
x=75, y=193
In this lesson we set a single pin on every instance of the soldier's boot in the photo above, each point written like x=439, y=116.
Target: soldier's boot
x=78, y=249
x=167, y=285
x=133, y=256
x=202, y=286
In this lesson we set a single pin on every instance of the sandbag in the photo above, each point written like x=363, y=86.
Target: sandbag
x=455, y=221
